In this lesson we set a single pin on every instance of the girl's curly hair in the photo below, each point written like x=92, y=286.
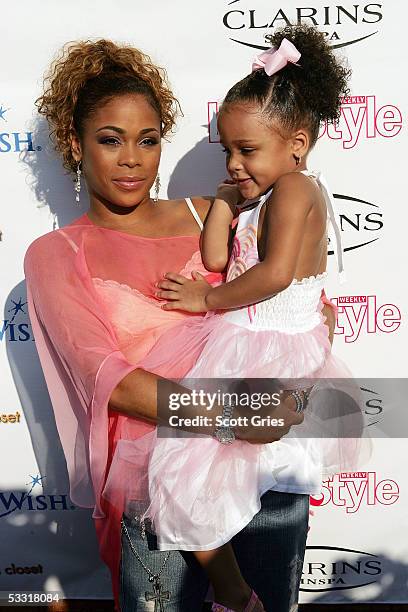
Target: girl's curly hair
x=87, y=73
x=298, y=96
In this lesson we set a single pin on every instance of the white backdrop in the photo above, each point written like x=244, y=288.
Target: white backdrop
x=355, y=549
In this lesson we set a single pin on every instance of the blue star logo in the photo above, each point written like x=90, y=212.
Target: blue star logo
x=3, y=111
x=18, y=307
x=34, y=481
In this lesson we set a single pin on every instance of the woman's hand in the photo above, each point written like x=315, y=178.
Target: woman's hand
x=330, y=315
x=267, y=434
x=185, y=294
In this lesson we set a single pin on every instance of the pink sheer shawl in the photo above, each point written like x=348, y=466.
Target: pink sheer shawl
x=86, y=344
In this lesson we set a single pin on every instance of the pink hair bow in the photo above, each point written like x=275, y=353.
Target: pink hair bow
x=275, y=59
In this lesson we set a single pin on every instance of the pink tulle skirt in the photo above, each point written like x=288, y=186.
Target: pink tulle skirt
x=197, y=493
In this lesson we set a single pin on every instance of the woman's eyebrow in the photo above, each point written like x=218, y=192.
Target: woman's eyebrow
x=112, y=127
x=146, y=130
x=122, y=131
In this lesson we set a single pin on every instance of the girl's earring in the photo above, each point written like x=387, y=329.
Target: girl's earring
x=297, y=159
x=157, y=185
x=78, y=182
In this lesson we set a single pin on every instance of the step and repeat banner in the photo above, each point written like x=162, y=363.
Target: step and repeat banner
x=357, y=549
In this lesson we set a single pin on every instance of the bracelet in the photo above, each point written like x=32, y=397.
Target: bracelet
x=225, y=434
x=301, y=400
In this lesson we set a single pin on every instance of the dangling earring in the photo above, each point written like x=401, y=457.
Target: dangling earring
x=78, y=182
x=157, y=185
x=297, y=159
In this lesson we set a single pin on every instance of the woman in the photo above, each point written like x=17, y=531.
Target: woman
x=91, y=293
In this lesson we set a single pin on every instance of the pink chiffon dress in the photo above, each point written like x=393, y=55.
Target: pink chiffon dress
x=195, y=493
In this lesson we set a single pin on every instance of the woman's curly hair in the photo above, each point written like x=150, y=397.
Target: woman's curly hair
x=298, y=96
x=87, y=73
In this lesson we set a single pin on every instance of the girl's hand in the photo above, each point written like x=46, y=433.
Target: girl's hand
x=185, y=294
x=228, y=192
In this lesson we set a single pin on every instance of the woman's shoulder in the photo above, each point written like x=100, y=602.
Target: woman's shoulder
x=38, y=244
x=51, y=246
x=202, y=204
x=34, y=254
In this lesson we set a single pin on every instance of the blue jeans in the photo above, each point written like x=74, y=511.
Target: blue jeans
x=269, y=550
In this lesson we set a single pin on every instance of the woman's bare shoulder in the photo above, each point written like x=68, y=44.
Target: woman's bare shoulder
x=202, y=204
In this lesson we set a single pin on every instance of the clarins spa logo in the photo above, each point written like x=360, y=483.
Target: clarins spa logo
x=246, y=22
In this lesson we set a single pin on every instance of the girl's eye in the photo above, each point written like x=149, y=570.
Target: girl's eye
x=247, y=150
x=225, y=150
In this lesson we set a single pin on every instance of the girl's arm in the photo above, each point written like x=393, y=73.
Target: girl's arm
x=215, y=237
x=285, y=218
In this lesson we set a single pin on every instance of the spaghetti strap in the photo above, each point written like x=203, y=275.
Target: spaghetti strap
x=332, y=216
x=194, y=213
x=70, y=242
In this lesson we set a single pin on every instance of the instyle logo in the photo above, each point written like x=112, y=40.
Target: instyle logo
x=11, y=501
x=352, y=490
x=324, y=571
x=246, y=22
x=360, y=314
x=363, y=117
x=12, y=141
x=13, y=329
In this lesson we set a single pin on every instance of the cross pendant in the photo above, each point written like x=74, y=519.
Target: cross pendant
x=157, y=596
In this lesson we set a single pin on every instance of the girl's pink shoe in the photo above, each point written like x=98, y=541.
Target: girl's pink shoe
x=254, y=605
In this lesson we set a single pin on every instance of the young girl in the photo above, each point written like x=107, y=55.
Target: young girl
x=201, y=492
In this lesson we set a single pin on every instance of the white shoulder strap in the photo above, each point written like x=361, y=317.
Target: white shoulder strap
x=68, y=239
x=331, y=208
x=194, y=213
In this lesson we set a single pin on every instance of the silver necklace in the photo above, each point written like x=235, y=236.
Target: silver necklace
x=158, y=596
